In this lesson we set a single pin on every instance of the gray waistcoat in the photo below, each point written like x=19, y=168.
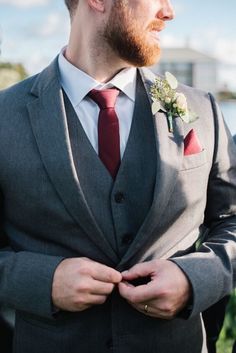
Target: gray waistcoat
x=119, y=206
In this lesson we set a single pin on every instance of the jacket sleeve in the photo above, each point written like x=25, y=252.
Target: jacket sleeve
x=26, y=280
x=25, y=277
x=211, y=270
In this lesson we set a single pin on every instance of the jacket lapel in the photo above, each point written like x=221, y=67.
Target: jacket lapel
x=169, y=156
x=49, y=124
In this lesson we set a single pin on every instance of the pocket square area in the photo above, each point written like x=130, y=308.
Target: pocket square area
x=192, y=144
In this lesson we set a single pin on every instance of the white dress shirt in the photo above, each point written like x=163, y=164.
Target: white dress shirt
x=77, y=85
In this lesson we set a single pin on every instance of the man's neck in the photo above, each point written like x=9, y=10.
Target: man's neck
x=99, y=64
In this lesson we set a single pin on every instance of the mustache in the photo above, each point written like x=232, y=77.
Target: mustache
x=156, y=25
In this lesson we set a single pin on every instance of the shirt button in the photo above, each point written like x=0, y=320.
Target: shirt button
x=119, y=197
x=127, y=238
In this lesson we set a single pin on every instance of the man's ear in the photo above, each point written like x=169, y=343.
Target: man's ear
x=98, y=5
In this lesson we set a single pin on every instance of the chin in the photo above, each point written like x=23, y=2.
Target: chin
x=153, y=61
x=150, y=60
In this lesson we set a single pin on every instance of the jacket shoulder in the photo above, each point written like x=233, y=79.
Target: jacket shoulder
x=17, y=92
x=198, y=101
x=148, y=77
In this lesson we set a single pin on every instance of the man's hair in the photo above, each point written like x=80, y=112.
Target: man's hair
x=71, y=5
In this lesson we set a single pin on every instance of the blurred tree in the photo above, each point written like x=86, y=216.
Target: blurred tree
x=11, y=73
x=230, y=318
x=228, y=333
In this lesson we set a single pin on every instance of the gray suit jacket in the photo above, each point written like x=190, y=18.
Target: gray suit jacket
x=45, y=218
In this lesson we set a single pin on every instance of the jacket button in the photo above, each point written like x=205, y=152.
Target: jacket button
x=119, y=197
x=127, y=239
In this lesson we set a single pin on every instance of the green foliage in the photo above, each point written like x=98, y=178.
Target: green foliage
x=17, y=67
x=224, y=346
x=225, y=95
x=229, y=328
x=11, y=73
x=228, y=332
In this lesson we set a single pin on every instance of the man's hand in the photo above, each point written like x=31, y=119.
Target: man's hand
x=164, y=296
x=79, y=283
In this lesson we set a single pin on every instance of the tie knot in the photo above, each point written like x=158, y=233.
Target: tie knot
x=105, y=98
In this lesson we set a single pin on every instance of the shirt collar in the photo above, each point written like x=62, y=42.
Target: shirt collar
x=77, y=83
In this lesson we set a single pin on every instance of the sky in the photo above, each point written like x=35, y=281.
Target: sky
x=34, y=31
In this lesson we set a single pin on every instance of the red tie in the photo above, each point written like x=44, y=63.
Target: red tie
x=108, y=128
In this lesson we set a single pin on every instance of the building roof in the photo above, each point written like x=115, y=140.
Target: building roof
x=185, y=55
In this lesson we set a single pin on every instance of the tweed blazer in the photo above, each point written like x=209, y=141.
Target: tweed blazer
x=45, y=218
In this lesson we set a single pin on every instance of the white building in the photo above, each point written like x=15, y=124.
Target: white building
x=190, y=67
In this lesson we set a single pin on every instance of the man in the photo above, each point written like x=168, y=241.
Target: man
x=103, y=205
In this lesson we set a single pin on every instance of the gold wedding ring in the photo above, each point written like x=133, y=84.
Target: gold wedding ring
x=146, y=308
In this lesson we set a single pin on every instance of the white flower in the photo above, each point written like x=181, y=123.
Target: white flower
x=181, y=102
x=168, y=100
x=165, y=98
x=171, y=79
x=156, y=106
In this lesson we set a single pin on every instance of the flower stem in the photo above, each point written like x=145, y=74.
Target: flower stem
x=170, y=122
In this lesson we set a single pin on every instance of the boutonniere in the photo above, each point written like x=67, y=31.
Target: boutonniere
x=165, y=98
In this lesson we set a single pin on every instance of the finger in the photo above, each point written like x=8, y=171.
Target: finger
x=137, y=294
x=107, y=274
x=151, y=311
x=101, y=272
x=97, y=299
x=143, y=269
x=141, y=308
x=89, y=300
x=101, y=288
